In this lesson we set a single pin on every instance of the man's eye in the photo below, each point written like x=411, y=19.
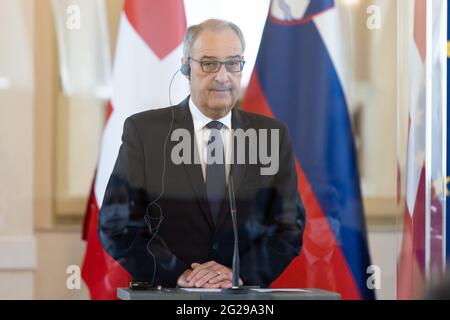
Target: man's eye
x=233, y=63
x=209, y=63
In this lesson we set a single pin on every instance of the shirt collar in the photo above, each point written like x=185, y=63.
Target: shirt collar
x=201, y=120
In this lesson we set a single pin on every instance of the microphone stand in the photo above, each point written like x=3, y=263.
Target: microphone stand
x=235, y=287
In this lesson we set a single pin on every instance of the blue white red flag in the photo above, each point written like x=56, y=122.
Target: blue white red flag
x=300, y=78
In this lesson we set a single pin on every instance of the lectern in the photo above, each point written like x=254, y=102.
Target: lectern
x=252, y=294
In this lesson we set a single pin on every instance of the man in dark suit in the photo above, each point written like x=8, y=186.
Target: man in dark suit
x=168, y=222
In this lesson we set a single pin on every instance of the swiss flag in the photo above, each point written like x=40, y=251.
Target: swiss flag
x=149, y=49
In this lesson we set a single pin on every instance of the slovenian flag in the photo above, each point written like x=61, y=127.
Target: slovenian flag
x=299, y=78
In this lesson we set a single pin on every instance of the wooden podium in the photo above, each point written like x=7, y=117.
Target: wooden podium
x=252, y=294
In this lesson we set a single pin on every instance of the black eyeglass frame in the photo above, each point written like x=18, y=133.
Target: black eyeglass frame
x=220, y=63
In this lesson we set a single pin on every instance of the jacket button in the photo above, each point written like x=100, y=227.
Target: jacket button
x=215, y=246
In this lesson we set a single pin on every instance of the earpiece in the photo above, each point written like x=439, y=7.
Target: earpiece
x=185, y=69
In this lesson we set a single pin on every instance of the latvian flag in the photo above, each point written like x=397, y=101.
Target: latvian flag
x=149, y=49
x=299, y=78
x=411, y=264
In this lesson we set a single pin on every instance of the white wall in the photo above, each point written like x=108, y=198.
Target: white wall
x=17, y=243
x=383, y=249
x=58, y=249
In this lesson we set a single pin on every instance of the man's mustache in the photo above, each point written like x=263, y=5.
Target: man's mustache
x=221, y=88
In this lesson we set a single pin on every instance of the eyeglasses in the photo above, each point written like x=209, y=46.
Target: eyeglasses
x=212, y=66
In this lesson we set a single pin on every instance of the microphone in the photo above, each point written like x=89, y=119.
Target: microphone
x=235, y=287
x=235, y=267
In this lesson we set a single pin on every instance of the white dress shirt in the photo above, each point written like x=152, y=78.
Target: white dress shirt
x=202, y=135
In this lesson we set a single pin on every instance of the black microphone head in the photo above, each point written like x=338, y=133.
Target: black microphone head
x=185, y=69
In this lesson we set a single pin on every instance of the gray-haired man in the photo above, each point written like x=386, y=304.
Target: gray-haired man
x=169, y=223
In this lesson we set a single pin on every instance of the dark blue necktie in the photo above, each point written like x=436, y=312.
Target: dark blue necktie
x=215, y=169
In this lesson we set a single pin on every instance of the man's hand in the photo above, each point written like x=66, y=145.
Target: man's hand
x=210, y=275
x=182, y=279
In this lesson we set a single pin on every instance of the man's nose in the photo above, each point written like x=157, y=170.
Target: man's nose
x=222, y=74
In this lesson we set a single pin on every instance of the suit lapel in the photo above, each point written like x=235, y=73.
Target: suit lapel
x=183, y=119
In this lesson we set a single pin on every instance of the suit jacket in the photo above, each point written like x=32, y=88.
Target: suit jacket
x=155, y=218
